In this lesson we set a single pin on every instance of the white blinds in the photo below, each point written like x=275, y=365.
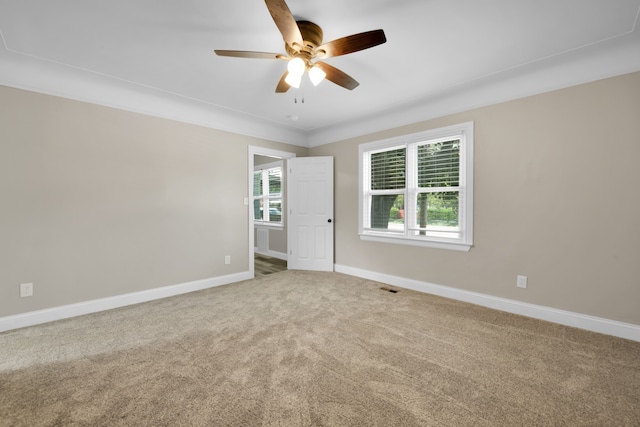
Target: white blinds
x=388, y=169
x=439, y=164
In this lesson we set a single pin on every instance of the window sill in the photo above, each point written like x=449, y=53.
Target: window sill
x=451, y=246
x=269, y=226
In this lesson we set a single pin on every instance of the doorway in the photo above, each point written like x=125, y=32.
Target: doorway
x=269, y=234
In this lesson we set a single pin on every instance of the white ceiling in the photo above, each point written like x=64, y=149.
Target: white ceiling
x=442, y=56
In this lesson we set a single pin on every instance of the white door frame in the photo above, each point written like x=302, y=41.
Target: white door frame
x=260, y=151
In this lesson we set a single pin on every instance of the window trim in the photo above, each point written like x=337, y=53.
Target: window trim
x=270, y=224
x=465, y=242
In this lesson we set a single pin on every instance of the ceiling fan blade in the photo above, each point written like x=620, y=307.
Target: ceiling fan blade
x=282, y=85
x=285, y=21
x=247, y=54
x=338, y=77
x=350, y=44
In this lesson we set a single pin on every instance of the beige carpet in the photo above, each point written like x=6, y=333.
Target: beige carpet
x=314, y=349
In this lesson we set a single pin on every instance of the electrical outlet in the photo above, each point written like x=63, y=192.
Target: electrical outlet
x=26, y=290
x=521, y=282
x=227, y=259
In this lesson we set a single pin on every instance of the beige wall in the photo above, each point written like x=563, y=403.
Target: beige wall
x=96, y=202
x=556, y=199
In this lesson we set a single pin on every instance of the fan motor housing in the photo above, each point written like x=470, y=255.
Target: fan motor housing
x=311, y=36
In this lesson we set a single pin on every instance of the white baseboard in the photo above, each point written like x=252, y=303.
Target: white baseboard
x=577, y=320
x=93, y=306
x=568, y=318
x=273, y=254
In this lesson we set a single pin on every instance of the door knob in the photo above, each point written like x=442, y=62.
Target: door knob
x=328, y=220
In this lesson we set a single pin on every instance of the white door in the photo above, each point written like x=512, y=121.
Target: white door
x=310, y=197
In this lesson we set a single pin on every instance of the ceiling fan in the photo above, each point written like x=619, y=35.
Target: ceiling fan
x=304, y=47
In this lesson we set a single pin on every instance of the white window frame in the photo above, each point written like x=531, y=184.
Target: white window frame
x=464, y=240
x=265, y=168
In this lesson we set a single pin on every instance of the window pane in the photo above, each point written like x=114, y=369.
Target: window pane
x=275, y=210
x=257, y=183
x=439, y=164
x=388, y=170
x=275, y=181
x=257, y=210
x=387, y=212
x=437, y=211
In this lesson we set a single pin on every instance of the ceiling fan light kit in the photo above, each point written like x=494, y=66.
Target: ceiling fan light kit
x=296, y=66
x=304, y=47
x=316, y=75
x=293, y=80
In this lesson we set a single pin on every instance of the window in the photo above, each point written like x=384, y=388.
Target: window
x=267, y=194
x=418, y=189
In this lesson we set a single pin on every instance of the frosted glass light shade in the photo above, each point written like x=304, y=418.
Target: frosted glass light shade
x=293, y=80
x=296, y=67
x=316, y=75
